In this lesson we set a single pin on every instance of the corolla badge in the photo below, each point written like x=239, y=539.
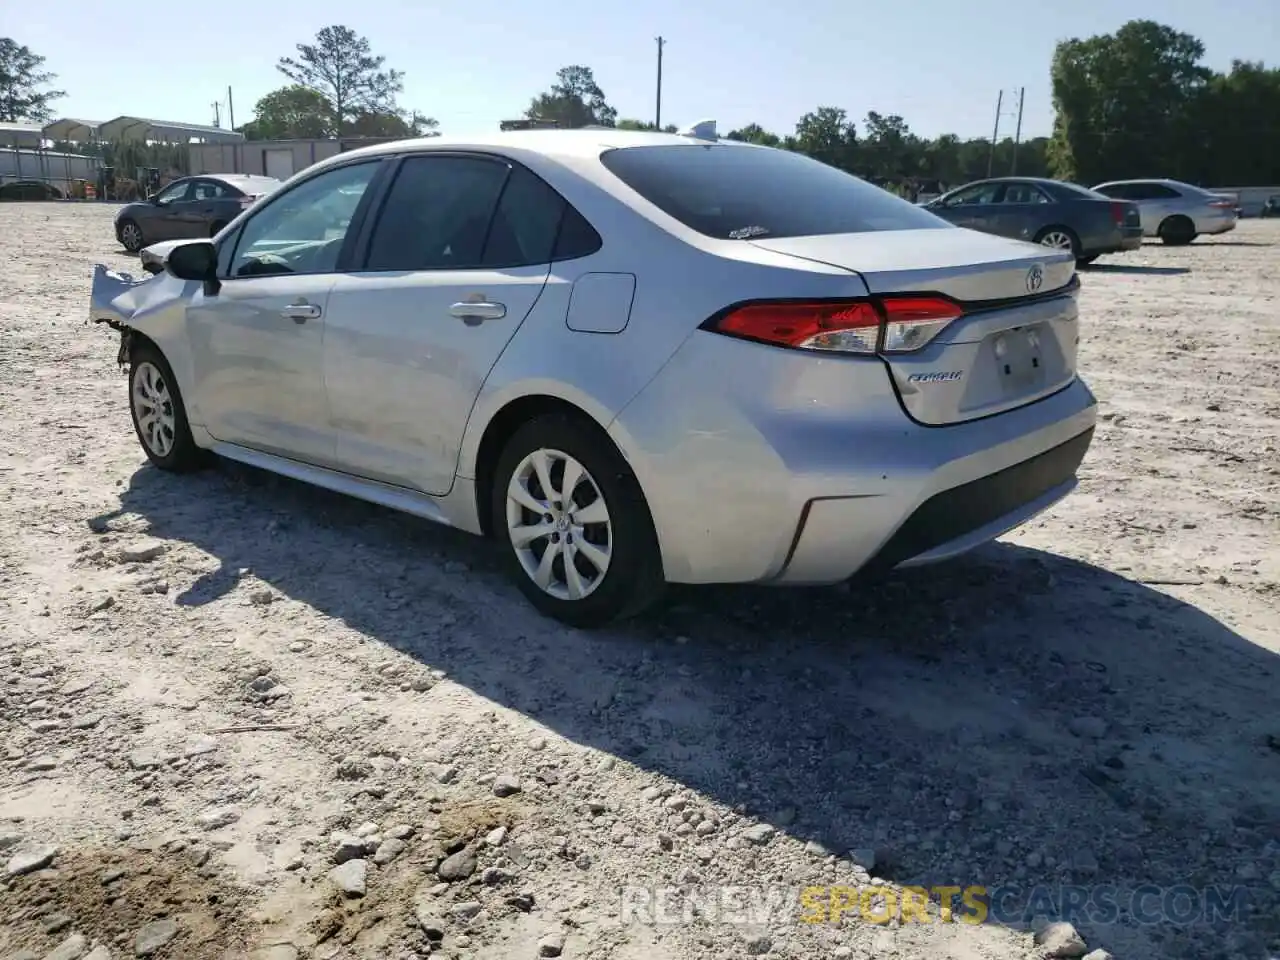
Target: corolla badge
x=936, y=376
x=1035, y=279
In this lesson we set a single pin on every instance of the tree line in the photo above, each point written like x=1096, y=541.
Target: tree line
x=1135, y=103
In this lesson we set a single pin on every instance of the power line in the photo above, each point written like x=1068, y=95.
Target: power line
x=1017, y=95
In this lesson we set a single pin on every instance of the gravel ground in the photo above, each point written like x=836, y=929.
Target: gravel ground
x=244, y=718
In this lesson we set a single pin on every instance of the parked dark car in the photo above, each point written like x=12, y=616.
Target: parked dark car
x=1272, y=207
x=1062, y=215
x=189, y=207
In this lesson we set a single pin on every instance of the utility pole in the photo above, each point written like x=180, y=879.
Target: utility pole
x=991, y=156
x=217, y=116
x=231, y=110
x=1017, y=135
x=657, y=110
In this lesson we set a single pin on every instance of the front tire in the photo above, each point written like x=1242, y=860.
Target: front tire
x=575, y=529
x=131, y=236
x=159, y=416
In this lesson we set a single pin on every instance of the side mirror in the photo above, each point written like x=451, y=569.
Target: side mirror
x=197, y=260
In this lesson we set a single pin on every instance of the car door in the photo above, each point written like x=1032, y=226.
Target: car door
x=169, y=206
x=257, y=339
x=971, y=206
x=210, y=201
x=451, y=266
x=1021, y=210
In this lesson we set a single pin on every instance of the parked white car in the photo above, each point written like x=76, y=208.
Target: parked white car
x=1174, y=211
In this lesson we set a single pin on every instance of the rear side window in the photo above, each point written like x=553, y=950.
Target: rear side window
x=577, y=237
x=210, y=190
x=524, y=228
x=459, y=213
x=1144, y=191
x=436, y=215
x=737, y=193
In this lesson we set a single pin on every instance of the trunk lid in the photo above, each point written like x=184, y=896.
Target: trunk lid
x=1017, y=339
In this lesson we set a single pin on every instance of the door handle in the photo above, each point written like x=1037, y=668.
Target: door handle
x=476, y=311
x=300, y=312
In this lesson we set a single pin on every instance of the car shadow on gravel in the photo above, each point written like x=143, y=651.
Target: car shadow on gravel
x=1136, y=269
x=1014, y=718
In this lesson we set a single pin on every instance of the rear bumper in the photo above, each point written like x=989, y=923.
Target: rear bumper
x=958, y=519
x=1215, y=222
x=1121, y=241
x=964, y=503
x=762, y=466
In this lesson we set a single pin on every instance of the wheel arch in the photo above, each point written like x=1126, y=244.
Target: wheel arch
x=1061, y=227
x=1178, y=219
x=502, y=425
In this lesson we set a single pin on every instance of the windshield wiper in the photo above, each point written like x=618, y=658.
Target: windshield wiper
x=746, y=233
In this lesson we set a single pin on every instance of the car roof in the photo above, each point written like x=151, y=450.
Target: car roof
x=567, y=144
x=236, y=179
x=1048, y=180
x=1162, y=180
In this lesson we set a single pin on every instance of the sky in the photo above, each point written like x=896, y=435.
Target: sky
x=937, y=63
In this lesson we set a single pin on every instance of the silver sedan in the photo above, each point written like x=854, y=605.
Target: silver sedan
x=632, y=358
x=1174, y=211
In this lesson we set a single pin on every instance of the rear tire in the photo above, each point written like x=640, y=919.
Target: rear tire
x=130, y=235
x=1086, y=260
x=1177, y=231
x=159, y=416
x=1059, y=238
x=604, y=562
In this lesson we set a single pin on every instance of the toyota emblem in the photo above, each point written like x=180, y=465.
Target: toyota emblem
x=1035, y=279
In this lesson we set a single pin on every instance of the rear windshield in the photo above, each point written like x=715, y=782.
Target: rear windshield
x=739, y=193
x=252, y=186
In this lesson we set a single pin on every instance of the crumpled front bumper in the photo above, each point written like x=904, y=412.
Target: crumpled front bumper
x=120, y=299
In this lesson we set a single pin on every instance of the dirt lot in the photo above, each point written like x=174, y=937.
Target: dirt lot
x=215, y=690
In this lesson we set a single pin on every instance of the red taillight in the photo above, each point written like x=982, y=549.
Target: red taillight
x=893, y=324
x=1222, y=203
x=1118, y=212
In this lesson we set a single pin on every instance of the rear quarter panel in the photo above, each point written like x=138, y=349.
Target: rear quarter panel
x=682, y=278
x=1093, y=224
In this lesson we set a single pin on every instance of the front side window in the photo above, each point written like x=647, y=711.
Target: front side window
x=173, y=193
x=302, y=231
x=978, y=193
x=737, y=192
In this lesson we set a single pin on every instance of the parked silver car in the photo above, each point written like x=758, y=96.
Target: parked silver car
x=633, y=358
x=1175, y=212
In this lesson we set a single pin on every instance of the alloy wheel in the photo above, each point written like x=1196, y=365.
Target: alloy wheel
x=131, y=236
x=153, y=407
x=1056, y=239
x=559, y=525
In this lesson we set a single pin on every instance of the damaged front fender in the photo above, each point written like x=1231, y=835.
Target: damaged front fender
x=124, y=302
